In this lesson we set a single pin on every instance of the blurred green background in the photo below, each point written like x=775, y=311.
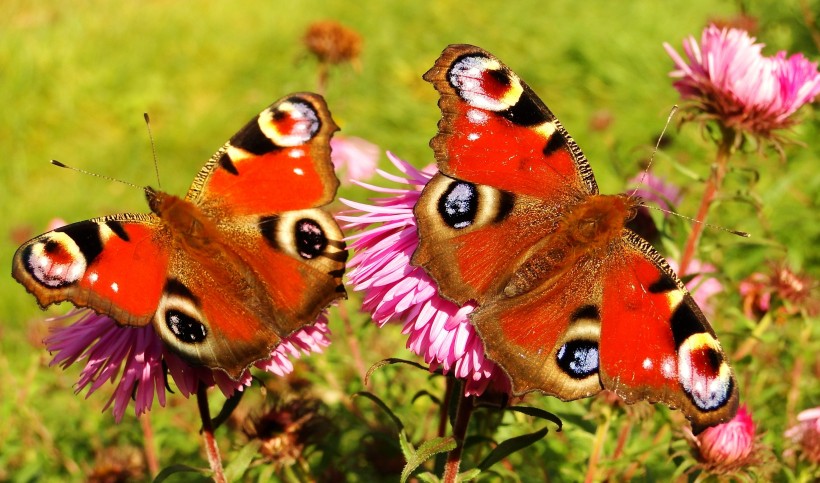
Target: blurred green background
x=75, y=78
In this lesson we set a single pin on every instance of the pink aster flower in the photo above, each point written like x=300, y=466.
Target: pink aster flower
x=703, y=285
x=396, y=291
x=729, y=445
x=793, y=293
x=137, y=363
x=806, y=434
x=728, y=79
x=355, y=157
x=656, y=190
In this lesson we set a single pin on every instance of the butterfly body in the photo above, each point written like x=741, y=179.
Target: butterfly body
x=244, y=260
x=570, y=301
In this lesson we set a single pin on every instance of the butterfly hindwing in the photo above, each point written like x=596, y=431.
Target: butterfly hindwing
x=471, y=235
x=548, y=340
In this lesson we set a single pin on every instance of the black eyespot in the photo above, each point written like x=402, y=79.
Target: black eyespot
x=578, y=358
x=310, y=239
x=185, y=327
x=458, y=205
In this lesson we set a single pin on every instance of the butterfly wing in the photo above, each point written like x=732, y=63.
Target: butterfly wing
x=618, y=319
x=271, y=259
x=278, y=162
x=496, y=131
x=115, y=265
x=508, y=170
x=548, y=339
x=656, y=344
x=265, y=189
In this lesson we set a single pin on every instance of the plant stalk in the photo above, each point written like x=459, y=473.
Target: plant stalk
x=211, y=447
x=713, y=184
x=462, y=420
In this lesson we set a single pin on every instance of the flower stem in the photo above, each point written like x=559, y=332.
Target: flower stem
x=597, y=447
x=208, y=434
x=149, y=445
x=462, y=420
x=725, y=149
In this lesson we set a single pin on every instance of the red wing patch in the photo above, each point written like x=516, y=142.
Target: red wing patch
x=114, y=265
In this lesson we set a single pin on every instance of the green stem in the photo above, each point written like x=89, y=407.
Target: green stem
x=713, y=184
x=211, y=447
x=462, y=420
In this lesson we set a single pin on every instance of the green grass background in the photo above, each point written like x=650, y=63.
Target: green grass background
x=75, y=78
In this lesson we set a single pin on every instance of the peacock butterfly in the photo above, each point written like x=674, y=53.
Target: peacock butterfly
x=570, y=301
x=245, y=259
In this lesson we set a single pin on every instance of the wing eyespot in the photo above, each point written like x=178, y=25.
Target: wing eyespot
x=310, y=235
x=458, y=205
x=185, y=327
x=310, y=238
x=179, y=319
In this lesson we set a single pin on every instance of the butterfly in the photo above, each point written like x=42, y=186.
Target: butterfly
x=570, y=301
x=246, y=258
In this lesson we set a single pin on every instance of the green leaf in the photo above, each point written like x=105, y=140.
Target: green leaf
x=425, y=452
x=383, y=406
x=230, y=404
x=468, y=475
x=389, y=361
x=428, y=477
x=174, y=469
x=538, y=413
x=242, y=460
x=407, y=448
x=426, y=393
x=510, y=446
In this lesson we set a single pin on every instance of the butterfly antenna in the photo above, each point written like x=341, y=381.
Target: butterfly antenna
x=153, y=147
x=654, y=151
x=717, y=227
x=109, y=178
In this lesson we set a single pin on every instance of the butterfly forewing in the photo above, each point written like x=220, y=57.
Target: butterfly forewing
x=115, y=265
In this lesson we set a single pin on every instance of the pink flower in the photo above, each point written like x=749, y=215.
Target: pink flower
x=806, y=434
x=793, y=292
x=728, y=79
x=137, y=363
x=396, y=291
x=729, y=444
x=656, y=190
x=357, y=157
x=703, y=285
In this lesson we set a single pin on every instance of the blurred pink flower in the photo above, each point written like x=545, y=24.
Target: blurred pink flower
x=793, y=292
x=355, y=157
x=396, y=291
x=703, y=285
x=656, y=190
x=729, y=80
x=727, y=445
x=137, y=362
x=806, y=434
